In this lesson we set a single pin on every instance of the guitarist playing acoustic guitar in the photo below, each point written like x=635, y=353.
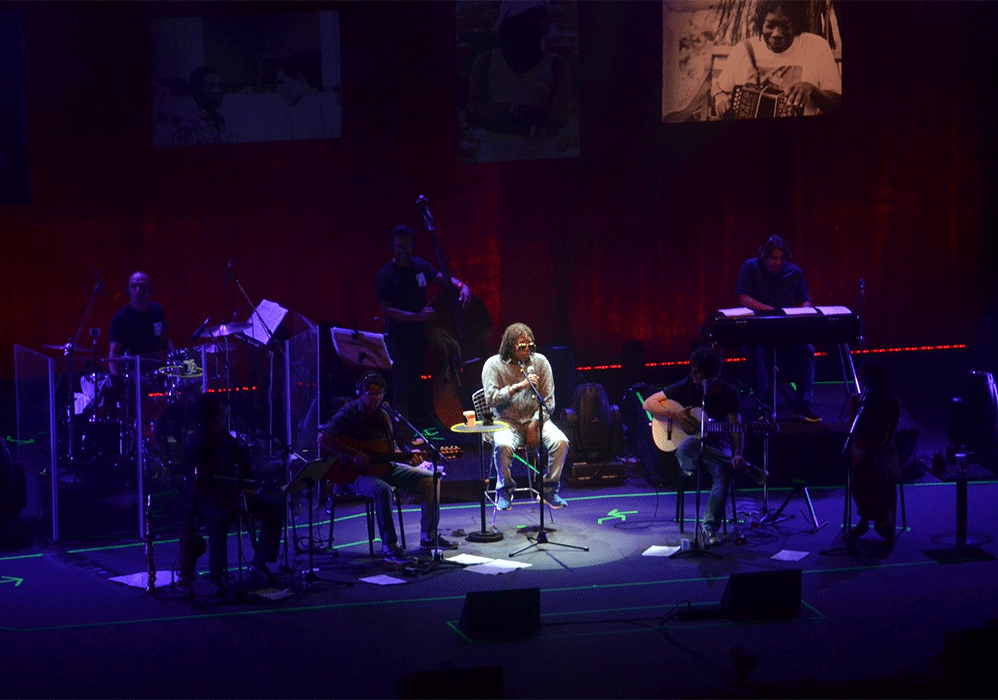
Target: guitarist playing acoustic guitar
x=722, y=448
x=350, y=434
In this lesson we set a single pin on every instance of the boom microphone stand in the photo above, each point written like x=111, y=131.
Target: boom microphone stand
x=438, y=458
x=68, y=350
x=541, y=458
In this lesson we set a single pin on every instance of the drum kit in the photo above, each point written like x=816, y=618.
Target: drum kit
x=101, y=437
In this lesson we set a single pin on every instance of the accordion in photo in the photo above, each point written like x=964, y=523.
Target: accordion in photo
x=759, y=102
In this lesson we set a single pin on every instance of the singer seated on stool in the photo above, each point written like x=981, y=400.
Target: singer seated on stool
x=362, y=434
x=506, y=378
x=722, y=450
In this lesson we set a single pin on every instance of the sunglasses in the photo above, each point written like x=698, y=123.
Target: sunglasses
x=526, y=346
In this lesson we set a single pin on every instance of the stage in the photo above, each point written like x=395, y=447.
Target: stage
x=610, y=623
x=910, y=620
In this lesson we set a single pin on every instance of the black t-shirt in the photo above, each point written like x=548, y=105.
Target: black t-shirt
x=718, y=405
x=352, y=421
x=404, y=288
x=139, y=332
x=782, y=290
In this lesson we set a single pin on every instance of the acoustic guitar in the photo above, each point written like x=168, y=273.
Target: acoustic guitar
x=667, y=434
x=381, y=455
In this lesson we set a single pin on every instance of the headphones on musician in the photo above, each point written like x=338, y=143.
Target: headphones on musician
x=368, y=379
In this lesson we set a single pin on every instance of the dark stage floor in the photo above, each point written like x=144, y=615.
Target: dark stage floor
x=911, y=620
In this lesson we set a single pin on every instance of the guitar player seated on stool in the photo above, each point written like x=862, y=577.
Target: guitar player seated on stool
x=357, y=434
x=722, y=448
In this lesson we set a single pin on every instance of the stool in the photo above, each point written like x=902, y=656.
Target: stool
x=681, y=503
x=523, y=455
x=369, y=517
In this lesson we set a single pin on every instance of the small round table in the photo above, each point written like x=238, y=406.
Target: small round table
x=480, y=428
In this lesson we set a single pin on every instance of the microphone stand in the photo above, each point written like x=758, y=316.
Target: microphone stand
x=541, y=458
x=270, y=335
x=68, y=351
x=847, y=508
x=697, y=549
x=437, y=459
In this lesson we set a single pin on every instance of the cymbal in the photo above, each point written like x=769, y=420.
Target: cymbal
x=225, y=329
x=67, y=346
x=131, y=358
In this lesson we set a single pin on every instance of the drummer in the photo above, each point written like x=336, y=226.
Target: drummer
x=139, y=327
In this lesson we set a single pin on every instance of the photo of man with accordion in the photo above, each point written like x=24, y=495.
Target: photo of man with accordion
x=782, y=71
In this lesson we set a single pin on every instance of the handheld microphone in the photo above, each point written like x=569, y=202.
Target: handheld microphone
x=199, y=331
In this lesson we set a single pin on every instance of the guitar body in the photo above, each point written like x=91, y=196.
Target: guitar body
x=345, y=471
x=459, y=338
x=667, y=434
x=455, y=375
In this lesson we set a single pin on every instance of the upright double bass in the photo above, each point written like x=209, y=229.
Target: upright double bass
x=458, y=336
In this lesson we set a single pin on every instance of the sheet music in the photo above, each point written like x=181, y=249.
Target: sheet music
x=272, y=314
x=834, y=310
x=737, y=311
x=800, y=311
x=361, y=349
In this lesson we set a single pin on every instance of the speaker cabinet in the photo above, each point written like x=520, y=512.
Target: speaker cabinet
x=511, y=614
x=483, y=682
x=762, y=595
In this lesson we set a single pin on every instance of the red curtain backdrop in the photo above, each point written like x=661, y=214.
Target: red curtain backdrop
x=638, y=239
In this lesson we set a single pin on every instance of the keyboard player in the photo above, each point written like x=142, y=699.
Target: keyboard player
x=768, y=282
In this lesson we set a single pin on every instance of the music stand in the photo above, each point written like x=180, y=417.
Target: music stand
x=361, y=349
x=306, y=478
x=481, y=428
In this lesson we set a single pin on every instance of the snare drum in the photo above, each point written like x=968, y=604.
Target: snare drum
x=182, y=374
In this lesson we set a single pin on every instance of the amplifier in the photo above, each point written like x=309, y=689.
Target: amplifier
x=581, y=474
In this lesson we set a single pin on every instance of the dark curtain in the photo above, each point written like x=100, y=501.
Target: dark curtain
x=638, y=239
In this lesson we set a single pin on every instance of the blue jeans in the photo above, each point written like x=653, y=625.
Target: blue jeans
x=412, y=479
x=507, y=441
x=717, y=463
